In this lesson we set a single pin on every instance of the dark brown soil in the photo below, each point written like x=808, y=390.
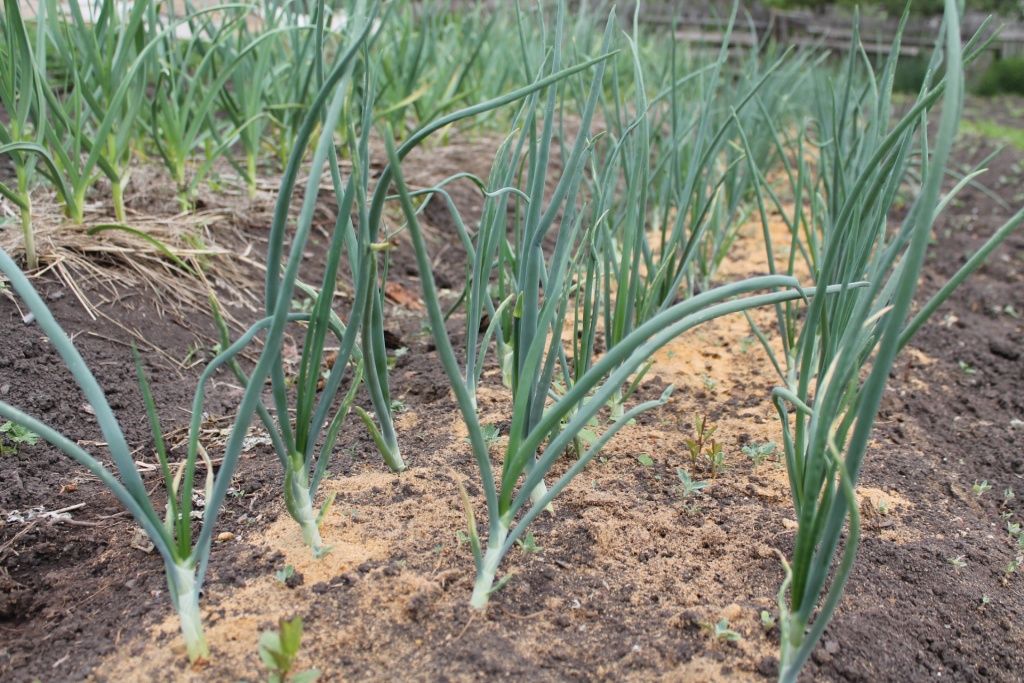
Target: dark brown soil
x=628, y=575
x=936, y=438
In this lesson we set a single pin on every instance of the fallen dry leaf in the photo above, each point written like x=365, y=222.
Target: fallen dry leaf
x=396, y=293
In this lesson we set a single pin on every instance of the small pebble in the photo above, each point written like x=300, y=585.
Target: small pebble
x=225, y=536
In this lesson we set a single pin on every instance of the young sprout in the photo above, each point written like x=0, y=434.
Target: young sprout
x=690, y=487
x=285, y=573
x=702, y=438
x=758, y=453
x=16, y=435
x=966, y=367
x=723, y=633
x=958, y=561
x=279, y=649
x=25, y=124
x=716, y=457
x=981, y=487
x=490, y=432
x=529, y=544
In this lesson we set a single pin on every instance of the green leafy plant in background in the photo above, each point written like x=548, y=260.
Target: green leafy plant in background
x=669, y=161
x=279, y=649
x=23, y=128
x=188, y=86
x=435, y=60
x=256, y=95
x=103, y=61
x=1004, y=76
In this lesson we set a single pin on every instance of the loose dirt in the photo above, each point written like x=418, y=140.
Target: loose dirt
x=628, y=575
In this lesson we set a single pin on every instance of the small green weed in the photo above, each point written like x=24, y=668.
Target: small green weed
x=759, y=452
x=279, y=649
x=690, y=487
x=14, y=435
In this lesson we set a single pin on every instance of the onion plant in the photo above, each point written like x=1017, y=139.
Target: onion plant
x=105, y=56
x=245, y=97
x=543, y=424
x=23, y=129
x=287, y=98
x=298, y=441
x=839, y=353
x=669, y=182
x=188, y=87
x=429, y=64
x=185, y=554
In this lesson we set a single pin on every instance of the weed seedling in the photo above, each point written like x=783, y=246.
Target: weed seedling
x=981, y=487
x=959, y=561
x=759, y=452
x=702, y=435
x=690, y=487
x=278, y=650
x=966, y=367
x=716, y=456
x=767, y=620
x=725, y=634
x=645, y=460
x=490, y=432
x=528, y=543
x=15, y=435
x=285, y=573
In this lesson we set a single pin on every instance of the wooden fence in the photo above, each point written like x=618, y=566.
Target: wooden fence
x=706, y=24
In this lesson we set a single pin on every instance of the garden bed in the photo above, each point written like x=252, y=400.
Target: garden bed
x=626, y=584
